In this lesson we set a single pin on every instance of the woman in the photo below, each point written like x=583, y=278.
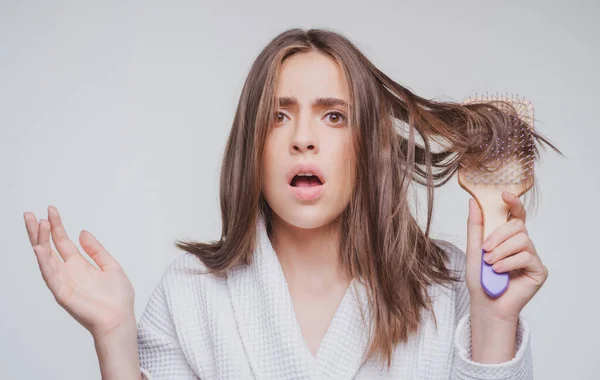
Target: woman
x=321, y=271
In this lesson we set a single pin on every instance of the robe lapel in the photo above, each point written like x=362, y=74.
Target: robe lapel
x=269, y=329
x=265, y=317
x=341, y=351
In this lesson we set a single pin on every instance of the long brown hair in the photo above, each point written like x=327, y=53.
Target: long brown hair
x=381, y=242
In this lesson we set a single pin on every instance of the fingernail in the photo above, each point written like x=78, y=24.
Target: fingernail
x=486, y=244
x=508, y=195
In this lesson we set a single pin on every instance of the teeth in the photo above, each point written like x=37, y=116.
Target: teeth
x=306, y=174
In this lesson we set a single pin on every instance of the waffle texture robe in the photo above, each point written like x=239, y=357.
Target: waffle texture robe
x=243, y=326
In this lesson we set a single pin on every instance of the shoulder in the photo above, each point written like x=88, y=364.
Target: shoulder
x=186, y=275
x=184, y=263
x=187, y=293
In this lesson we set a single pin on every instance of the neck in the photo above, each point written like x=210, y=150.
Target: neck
x=310, y=257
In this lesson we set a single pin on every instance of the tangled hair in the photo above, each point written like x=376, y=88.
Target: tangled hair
x=381, y=242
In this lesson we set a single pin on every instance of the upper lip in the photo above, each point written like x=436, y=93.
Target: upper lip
x=305, y=167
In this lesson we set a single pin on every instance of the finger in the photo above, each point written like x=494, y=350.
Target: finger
x=474, y=236
x=526, y=260
x=32, y=226
x=96, y=251
x=513, y=245
x=516, y=208
x=43, y=238
x=503, y=232
x=49, y=267
x=66, y=248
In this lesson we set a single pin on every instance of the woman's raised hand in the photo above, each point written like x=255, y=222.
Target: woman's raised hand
x=101, y=299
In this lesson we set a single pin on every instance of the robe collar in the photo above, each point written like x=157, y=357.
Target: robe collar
x=270, y=332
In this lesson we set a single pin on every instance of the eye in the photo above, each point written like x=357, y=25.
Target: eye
x=335, y=117
x=277, y=117
x=338, y=117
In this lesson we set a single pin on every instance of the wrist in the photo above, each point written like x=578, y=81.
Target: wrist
x=124, y=328
x=117, y=351
x=493, y=338
x=493, y=318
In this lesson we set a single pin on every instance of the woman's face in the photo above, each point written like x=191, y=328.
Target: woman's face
x=310, y=128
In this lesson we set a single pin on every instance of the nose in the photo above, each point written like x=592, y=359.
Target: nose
x=300, y=147
x=304, y=138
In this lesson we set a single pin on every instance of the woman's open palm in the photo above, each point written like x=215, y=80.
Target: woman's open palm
x=100, y=299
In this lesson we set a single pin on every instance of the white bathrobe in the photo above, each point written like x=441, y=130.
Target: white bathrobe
x=199, y=326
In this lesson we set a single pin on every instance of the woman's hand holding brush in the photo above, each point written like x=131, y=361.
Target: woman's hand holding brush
x=509, y=249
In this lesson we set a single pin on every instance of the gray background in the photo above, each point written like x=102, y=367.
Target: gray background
x=117, y=113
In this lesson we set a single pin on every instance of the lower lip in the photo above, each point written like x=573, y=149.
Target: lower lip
x=307, y=193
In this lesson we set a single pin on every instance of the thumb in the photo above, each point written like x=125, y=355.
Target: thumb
x=97, y=252
x=474, y=233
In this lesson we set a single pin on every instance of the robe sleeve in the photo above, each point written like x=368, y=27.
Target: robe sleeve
x=463, y=367
x=160, y=353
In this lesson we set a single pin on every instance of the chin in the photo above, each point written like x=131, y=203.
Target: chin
x=307, y=216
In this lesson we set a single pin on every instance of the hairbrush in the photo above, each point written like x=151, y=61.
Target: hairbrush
x=503, y=161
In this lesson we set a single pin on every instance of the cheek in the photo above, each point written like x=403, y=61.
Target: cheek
x=349, y=163
x=269, y=165
x=268, y=158
x=345, y=165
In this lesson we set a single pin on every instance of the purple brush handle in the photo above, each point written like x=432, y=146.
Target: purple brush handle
x=494, y=284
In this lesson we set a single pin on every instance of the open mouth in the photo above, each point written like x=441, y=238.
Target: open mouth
x=305, y=181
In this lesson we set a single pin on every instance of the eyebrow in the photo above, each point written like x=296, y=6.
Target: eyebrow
x=285, y=101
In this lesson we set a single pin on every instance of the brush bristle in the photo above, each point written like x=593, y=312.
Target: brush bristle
x=508, y=155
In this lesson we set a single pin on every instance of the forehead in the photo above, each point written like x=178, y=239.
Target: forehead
x=310, y=75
